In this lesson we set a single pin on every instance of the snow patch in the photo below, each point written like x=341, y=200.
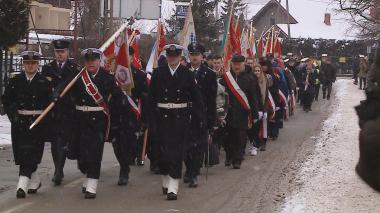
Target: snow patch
x=5, y=131
x=327, y=180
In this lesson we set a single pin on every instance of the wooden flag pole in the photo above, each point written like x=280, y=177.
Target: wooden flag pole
x=144, y=146
x=72, y=82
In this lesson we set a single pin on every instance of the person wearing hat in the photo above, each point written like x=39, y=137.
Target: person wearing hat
x=174, y=97
x=128, y=128
x=243, y=109
x=91, y=95
x=327, y=75
x=25, y=97
x=60, y=72
x=207, y=84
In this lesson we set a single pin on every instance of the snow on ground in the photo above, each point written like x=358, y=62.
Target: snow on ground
x=328, y=182
x=5, y=131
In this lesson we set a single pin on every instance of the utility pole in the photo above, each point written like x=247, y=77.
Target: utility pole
x=75, y=42
x=288, y=17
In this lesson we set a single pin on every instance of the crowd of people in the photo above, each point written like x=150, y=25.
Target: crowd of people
x=188, y=110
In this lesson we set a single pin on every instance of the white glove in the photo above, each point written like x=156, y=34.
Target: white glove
x=261, y=115
x=265, y=116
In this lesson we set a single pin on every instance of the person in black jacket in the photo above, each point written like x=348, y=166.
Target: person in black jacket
x=25, y=97
x=91, y=95
x=174, y=97
x=328, y=76
x=128, y=121
x=206, y=81
x=240, y=114
x=60, y=72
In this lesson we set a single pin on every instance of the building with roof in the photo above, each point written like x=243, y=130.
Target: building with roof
x=272, y=13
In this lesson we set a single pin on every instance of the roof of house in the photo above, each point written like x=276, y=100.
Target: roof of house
x=270, y=4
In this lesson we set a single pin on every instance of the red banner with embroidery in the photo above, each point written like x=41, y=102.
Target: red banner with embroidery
x=93, y=91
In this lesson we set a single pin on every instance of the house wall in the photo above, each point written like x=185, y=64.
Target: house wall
x=46, y=16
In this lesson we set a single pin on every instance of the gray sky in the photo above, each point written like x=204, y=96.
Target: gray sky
x=309, y=14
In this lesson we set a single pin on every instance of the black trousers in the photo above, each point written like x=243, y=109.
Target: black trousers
x=27, y=169
x=121, y=150
x=90, y=169
x=317, y=88
x=59, y=153
x=362, y=83
x=235, y=144
x=327, y=88
x=253, y=135
x=193, y=160
x=153, y=149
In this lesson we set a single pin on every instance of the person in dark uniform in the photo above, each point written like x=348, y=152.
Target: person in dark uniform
x=91, y=95
x=240, y=113
x=308, y=88
x=25, y=97
x=174, y=96
x=128, y=121
x=207, y=84
x=60, y=72
x=328, y=76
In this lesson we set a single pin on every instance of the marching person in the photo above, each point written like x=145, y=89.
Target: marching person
x=243, y=109
x=328, y=76
x=91, y=95
x=206, y=81
x=175, y=97
x=128, y=121
x=363, y=70
x=309, y=85
x=25, y=97
x=258, y=134
x=60, y=72
x=273, y=125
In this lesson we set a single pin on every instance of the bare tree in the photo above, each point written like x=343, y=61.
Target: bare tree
x=364, y=15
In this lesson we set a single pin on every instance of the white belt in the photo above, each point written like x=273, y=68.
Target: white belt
x=29, y=112
x=89, y=108
x=172, y=105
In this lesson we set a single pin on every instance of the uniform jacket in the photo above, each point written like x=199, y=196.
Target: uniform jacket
x=63, y=112
x=91, y=126
x=171, y=126
x=19, y=94
x=206, y=80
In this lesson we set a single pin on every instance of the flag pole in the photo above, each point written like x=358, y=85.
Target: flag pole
x=72, y=82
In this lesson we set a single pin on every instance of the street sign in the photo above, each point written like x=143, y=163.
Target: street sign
x=140, y=9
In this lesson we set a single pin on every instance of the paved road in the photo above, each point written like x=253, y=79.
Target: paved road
x=253, y=188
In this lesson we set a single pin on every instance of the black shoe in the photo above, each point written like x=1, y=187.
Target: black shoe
x=34, y=191
x=186, y=179
x=236, y=165
x=83, y=190
x=164, y=191
x=171, y=196
x=328, y=97
x=57, y=179
x=20, y=193
x=123, y=180
x=263, y=147
x=89, y=195
x=227, y=163
x=193, y=182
